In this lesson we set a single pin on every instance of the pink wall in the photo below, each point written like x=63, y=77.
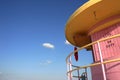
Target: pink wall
x=113, y=69
x=110, y=50
x=110, y=47
x=97, y=72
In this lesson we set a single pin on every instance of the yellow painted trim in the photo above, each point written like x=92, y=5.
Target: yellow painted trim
x=95, y=64
x=82, y=8
x=90, y=44
x=103, y=26
x=89, y=14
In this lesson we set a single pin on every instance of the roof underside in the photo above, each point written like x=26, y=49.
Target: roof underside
x=88, y=15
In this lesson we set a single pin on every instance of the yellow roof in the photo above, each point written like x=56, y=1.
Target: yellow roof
x=88, y=15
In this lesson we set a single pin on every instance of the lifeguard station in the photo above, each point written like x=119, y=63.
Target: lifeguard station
x=95, y=26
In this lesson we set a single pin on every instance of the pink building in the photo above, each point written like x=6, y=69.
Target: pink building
x=95, y=20
x=110, y=50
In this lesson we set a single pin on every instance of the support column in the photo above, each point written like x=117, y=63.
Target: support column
x=101, y=60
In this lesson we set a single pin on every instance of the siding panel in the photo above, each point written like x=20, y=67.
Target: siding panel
x=110, y=50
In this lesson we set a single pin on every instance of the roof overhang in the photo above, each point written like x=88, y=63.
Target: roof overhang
x=88, y=15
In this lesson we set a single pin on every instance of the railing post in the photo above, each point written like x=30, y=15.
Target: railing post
x=69, y=63
x=68, y=71
x=78, y=74
x=86, y=74
x=69, y=67
x=101, y=60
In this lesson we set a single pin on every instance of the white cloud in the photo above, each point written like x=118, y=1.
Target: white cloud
x=47, y=62
x=48, y=45
x=68, y=43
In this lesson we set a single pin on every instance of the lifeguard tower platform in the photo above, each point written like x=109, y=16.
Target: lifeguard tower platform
x=96, y=27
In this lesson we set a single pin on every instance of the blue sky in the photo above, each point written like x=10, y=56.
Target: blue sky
x=32, y=39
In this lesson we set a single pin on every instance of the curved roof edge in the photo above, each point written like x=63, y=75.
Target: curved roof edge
x=85, y=17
